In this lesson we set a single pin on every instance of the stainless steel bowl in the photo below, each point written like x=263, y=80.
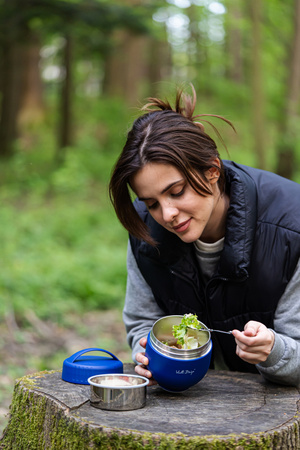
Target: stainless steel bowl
x=161, y=337
x=118, y=392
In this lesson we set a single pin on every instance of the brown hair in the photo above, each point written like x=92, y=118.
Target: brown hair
x=169, y=136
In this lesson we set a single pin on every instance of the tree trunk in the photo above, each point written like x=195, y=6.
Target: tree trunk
x=234, y=41
x=31, y=103
x=12, y=78
x=257, y=85
x=21, y=84
x=199, y=58
x=126, y=66
x=129, y=65
x=65, y=125
x=159, y=62
x=290, y=124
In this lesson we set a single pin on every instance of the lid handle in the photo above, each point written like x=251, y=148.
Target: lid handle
x=86, y=350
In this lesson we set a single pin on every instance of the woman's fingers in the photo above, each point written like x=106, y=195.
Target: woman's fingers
x=143, y=342
x=142, y=360
x=144, y=372
x=255, y=343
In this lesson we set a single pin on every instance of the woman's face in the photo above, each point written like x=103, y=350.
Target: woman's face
x=175, y=205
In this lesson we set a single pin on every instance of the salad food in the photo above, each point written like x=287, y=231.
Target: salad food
x=186, y=332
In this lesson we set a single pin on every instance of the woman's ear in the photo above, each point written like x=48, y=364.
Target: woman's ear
x=213, y=173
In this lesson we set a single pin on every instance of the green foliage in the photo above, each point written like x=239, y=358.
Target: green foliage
x=62, y=14
x=63, y=248
x=62, y=254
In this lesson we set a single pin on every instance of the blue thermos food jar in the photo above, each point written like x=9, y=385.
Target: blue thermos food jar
x=176, y=369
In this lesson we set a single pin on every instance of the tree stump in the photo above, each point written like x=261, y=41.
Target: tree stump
x=225, y=410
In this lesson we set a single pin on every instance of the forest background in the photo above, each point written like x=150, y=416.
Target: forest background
x=73, y=75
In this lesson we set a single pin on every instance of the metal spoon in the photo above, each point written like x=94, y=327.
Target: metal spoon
x=209, y=329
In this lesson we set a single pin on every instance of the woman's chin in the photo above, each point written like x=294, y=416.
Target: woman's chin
x=188, y=238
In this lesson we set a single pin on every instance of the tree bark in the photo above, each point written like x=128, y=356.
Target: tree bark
x=199, y=58
x=159, y=64
x=32, y=107
x=130, y=65
x=126, y=66
x=290, y=123
x=12, y=78
x=257, y=85
x=65, y=125
x=234, y=41
x=21, y=84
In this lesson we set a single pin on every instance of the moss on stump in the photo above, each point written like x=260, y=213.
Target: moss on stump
x=224, y=411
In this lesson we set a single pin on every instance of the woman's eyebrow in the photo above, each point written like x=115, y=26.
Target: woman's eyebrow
x=163, y=191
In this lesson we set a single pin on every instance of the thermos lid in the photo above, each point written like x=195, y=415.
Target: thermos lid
x=79, y=367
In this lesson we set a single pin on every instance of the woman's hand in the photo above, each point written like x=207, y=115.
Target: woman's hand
x=255, y=343
x=141, y=368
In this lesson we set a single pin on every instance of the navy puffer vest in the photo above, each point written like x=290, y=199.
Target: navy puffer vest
x=261, y=251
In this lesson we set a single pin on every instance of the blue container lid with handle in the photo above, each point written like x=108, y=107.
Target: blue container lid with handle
x=79, y=367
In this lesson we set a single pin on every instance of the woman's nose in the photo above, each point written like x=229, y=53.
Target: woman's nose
x=169, y=213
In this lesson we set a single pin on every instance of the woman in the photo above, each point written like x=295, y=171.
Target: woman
x=212, y=238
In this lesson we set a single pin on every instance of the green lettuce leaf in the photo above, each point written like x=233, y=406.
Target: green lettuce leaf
x=184, y=331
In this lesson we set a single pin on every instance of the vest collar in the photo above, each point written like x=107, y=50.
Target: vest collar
x=240, y=224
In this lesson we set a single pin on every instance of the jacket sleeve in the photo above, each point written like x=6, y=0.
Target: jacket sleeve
x=140, y=309
x=283, y=363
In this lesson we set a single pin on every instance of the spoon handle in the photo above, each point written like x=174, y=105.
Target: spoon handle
x=218, y=331
x=209, y=329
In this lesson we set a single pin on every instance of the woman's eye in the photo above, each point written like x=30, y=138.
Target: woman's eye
x=153, y=206
x=178, y=194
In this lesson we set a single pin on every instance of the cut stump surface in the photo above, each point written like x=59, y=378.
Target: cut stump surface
x=224, y=410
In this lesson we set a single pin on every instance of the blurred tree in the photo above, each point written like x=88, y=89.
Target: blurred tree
x=234, y=41
x=289, y=128
x=32, y=108
x=229, y=49
x=197, y=50
x=12, y=42
x=125, y=65
x=65, y=134
x=134, y=60
x=68, y=18
x=258, y=112
x=159, y=64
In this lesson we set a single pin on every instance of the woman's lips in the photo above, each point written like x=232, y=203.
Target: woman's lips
x=183, y=226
